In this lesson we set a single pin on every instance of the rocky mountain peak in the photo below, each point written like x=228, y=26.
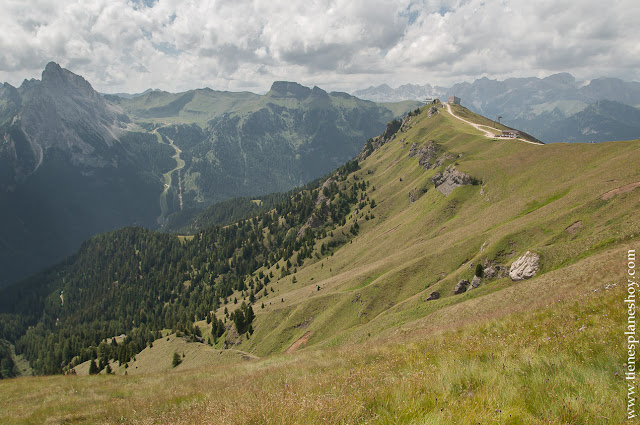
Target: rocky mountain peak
x=60, y=111
x=289, y=89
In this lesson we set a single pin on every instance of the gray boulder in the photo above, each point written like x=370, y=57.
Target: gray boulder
x=525, y=267
x=461, y=287
x=433, y=296
x=475, y=282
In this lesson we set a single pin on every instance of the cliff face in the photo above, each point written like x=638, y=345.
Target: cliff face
x=68, y=169
x=61, y=111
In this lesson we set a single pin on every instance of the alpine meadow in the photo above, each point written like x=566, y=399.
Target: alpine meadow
x=386, y=284
x=223, y=213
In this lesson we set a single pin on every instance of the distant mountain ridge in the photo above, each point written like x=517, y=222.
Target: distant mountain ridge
x=74, y=163
x=535, y=105
x=244, y=144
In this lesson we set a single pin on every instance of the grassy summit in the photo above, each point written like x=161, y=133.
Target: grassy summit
x=373, y=349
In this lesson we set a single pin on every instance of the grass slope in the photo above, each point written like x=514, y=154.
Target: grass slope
x=556, y=364
x=545, y=350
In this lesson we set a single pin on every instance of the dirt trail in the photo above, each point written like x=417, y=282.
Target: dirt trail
x=618, y=190
x=487, y=133
x=300, y=342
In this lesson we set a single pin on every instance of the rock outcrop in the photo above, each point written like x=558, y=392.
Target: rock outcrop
x=321, y=198
x=313, y=222
x=525, y=267
x=432, y=111
x=461, y=287
x=450, y=179
x=433, y=296
x=415, y=194
x=413, y=150
x=426, y=154
x=475, y=282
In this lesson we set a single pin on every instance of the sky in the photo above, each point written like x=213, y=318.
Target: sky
x=176, y=45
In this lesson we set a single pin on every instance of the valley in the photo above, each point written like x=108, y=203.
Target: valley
x=168, y=178
x=76, y=163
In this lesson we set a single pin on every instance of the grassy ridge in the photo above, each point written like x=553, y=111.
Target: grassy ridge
x=530, y=195
x=545, y=350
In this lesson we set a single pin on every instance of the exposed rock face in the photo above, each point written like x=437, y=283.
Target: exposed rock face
x=64, y=112
x=433, y=296
x=415, y=194
x=450, y=179
x=413, y=151
x=461, y=287
x=313, y=222
x=525, y=267
x=426, y=154
x=475, y=282
x=574, y=227
x=321, y=198
x=432, y=111
x=490, y=272
x=289, y=89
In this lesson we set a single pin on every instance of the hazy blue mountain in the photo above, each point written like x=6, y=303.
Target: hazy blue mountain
x=538, y=106
x=601, y=121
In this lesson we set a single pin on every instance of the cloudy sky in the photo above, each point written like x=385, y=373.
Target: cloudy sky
x=175, y=45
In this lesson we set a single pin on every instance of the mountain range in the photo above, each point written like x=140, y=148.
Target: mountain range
x=74, y=163
x=557, y=108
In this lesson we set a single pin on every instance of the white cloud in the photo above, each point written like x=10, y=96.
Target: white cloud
x=125, y=45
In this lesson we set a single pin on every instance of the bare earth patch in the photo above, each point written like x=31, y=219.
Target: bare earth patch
x=622, y=189
x=574, y=227
x=300, y=342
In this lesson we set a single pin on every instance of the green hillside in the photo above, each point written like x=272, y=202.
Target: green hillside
x=330, y=288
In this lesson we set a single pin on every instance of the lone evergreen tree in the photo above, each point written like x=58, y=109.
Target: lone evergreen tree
x=176, y=359
x=93, y=368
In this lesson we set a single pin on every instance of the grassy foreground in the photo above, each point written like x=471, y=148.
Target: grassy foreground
x=560, y=364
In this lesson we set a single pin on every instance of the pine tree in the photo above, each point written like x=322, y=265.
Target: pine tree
x=176, y=359
x=93, y=368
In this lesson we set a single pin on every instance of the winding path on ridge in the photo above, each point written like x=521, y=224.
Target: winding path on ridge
x=486, y=132
x=168, y=176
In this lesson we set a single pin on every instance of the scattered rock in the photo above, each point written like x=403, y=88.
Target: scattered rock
x=313, y=222
x=461, y=287
x=450, y=179
x=426, y=154
x=415, y=194
x=476, y=282
x=432, y=111
x=490, y=272
x=433, y=296
x=525, y=267
x=413, y=151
